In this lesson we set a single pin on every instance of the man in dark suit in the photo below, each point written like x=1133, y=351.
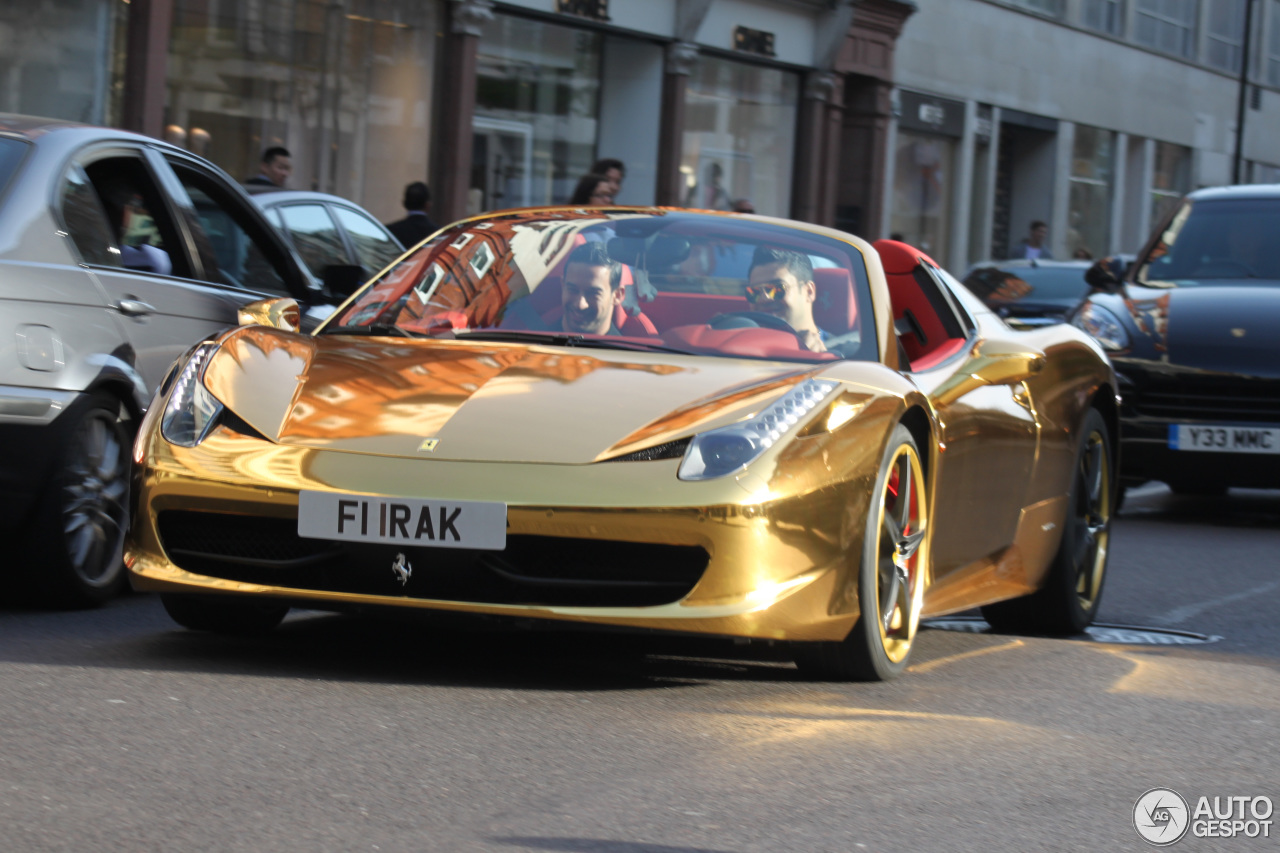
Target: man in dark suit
x=417, y=225
x=275, y=169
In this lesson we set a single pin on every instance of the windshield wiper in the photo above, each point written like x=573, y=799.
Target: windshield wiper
x=385, y=330
x=564, y=339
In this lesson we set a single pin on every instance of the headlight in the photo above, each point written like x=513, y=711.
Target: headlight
x=1103, y=326
x=191, y=410
x=728, y=449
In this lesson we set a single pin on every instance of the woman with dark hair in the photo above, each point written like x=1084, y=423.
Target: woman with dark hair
x=593, y=189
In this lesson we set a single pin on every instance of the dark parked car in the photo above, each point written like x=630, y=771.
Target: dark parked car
x=1193, y=328
x=117, y=254
x=1029, y=293
x=327, y=231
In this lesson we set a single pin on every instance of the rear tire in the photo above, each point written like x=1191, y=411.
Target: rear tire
x=223, y=615
x=1069, y=599
x=77, y=536
x=890, y=577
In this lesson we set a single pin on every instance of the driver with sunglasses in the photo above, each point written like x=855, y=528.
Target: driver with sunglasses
x=780, y=283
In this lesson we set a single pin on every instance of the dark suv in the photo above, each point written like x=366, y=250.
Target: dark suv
x=1193, y=328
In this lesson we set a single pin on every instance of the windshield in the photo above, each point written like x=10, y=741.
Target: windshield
x=695, y=283
x=1209, y=242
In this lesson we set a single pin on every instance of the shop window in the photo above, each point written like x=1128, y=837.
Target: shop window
x=1047, y=7
x=1167, y=25
x=347, y=88
x=922, y=179
x=739, y=136
x=537, y=113
x=57, y=60
x=1089, y=205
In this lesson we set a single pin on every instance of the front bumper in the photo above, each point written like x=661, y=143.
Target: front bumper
x=777, y=566
x=1145, y=455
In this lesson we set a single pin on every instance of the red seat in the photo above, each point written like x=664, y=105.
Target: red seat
x=932, y=343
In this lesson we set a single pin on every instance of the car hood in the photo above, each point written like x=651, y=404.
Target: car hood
x=480, y=401
x=1226, y=328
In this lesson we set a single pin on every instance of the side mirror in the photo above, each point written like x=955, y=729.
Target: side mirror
x=1106, y=275
x=342, y=280
x=283, y=314
x=988, y=368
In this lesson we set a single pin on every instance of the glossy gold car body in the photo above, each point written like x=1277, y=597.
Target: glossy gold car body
x=997, y=424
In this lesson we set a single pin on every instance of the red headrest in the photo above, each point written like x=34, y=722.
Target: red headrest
x=835, y=308
x=899, y=258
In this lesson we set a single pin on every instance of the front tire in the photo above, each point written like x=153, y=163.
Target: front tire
x=891, y=576
x=1069, y=599
x=223, y=615
x=78, y=532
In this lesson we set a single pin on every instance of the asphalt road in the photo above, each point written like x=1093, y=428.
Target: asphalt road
x=119, y=731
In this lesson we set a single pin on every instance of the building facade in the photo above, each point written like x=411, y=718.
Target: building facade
x=951, y=124
x=1093, y=116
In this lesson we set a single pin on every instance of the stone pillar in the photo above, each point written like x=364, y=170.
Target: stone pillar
x=146, y=65
x=864, y=156
x=810, y=170
x=681, y=59
x=458, y=106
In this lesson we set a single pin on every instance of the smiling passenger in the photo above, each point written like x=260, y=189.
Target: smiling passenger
x=592, y=287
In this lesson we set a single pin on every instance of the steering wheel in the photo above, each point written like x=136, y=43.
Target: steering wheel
x=749, y=320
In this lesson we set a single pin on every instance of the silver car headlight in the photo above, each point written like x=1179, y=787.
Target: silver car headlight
x=191, y=410
x=728, y=449
x=1102, y=326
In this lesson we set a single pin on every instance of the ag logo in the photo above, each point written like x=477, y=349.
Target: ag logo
x=1161, y=817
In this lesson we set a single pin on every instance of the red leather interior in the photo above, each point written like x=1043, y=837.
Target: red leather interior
x=681, y=309
x=899, y=261
x=755, y=341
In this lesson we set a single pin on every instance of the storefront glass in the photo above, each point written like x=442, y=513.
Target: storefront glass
x=1170, y=180
x=345, y=87
x=537, y=113
x=1089, y=206
x=922, y=177
x=62, y=59
x=739, y=136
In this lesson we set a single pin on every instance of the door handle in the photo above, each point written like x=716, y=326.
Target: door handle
x=134, y=308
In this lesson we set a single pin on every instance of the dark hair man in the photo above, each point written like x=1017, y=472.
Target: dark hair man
x=275, y=168
x=1033, y=246
x=592, y=287
x=416, y=225
x=612, y=169
x=781, y=283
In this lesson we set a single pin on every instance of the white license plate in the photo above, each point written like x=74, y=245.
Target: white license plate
x=402, y=521
x=1224, y=439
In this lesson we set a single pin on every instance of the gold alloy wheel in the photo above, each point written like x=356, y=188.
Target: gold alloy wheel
x=1093, y=518
x=900, y=553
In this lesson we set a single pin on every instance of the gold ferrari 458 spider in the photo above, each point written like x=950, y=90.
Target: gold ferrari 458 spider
x=645, y=418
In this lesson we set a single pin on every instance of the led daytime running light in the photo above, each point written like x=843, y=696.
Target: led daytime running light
x=723, y=451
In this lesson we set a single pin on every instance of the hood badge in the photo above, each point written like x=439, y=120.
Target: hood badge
x=428, y=445
x=1237, y=333
x=403, y=570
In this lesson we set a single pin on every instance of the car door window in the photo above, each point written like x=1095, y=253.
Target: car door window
x=85, y=220
x=374, y=247
x=314, y=235
x=234, y=246
x=125, y=220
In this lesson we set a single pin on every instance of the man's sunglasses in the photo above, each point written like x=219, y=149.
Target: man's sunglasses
x=768, y=292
